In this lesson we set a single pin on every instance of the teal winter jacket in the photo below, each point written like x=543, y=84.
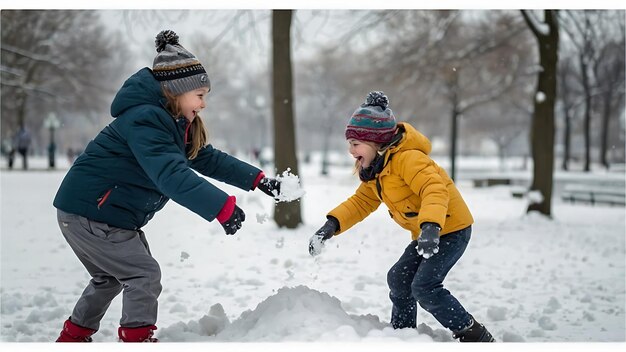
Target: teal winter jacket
x=138, y=162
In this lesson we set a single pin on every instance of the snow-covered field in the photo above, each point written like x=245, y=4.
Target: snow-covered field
x=525, y=277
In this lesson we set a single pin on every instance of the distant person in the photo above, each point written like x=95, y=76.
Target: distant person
x=9, y=151
x=71, y=155
x=22, y=143
x=394, y=168
x=128, y=172
x=256, y=153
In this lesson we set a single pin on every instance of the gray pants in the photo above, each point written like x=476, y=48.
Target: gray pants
x=117, y=259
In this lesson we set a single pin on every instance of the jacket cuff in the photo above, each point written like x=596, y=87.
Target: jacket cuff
x=258, y=179
x=227, y=210
x=431, y=223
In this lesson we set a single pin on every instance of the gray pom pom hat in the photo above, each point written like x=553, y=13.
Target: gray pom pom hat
x=178, y=70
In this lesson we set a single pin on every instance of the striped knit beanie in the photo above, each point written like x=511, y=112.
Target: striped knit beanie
x=178, y=70
x=373, y=121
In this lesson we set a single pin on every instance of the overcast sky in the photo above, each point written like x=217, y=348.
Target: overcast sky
x=249, y=31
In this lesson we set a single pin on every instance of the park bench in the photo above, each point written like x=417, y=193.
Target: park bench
x=594, y=194
x=491, y=181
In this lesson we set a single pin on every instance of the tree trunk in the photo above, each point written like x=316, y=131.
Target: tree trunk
x=325, y=149
x=21, y=110
x=454, y=123
x=542, y=126
x=566, y=106
x=606, y=117
x=285, y=214
x=453, y=141
x=502, y=155
x=567, y=132
x=587, y=118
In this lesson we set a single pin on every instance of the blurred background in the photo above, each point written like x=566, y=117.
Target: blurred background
x=464, y=77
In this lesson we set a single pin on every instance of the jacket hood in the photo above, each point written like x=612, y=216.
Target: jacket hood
x=141, y=88
x=411, y=140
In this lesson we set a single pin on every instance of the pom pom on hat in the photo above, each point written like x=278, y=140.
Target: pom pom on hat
x=165, y=37
x=178, y=70
x=373, y=121
x=377, y=98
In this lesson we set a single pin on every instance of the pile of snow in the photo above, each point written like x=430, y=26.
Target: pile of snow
x=196, y=330
x=292, y=314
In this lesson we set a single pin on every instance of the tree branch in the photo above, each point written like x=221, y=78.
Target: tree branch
x=532, y=23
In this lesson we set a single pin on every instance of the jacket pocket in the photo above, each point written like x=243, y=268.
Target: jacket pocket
x=103, y=198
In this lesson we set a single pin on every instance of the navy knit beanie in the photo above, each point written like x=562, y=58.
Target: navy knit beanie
x=373, y=121
x=178, y=70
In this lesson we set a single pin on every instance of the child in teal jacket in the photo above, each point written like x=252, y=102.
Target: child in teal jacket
x=128, y=172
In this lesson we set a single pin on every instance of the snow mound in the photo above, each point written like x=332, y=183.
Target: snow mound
x=200, y=330
x=299, y=314
x=292, y=314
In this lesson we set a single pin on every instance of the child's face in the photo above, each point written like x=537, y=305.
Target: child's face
x=363, y=152
x=192, y=102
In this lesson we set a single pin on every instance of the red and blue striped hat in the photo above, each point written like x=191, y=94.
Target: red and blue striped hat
x=373, y=121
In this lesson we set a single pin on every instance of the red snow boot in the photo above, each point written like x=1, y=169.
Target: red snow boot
x=140, y=334
x=74, y=333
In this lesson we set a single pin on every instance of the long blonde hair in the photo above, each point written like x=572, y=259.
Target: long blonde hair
x=199, y=135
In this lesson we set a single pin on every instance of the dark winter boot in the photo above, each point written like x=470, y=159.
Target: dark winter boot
x=74, y=333
x=476, y=332
x=140, y=334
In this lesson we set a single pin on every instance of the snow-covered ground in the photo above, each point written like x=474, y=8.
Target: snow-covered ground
x=525, y=277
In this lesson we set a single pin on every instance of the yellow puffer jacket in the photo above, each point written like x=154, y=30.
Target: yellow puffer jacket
x=414, y=188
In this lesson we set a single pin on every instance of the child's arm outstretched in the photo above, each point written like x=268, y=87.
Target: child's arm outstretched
x=347, y=214
x=223, y=167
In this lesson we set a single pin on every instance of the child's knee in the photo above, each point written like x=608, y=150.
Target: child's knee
x=399, y=279
x=425, y=293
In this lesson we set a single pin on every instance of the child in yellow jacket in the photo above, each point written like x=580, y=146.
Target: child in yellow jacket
x=395, y=168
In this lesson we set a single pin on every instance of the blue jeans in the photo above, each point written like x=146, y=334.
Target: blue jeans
x=415, y=279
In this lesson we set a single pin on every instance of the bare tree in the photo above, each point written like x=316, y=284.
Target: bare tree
x=285, y=214
x=56, y=60
x=597, y=40
x=460, y=104
x=327, y=99
x=568, y=105
x=542, y=127
x=609, y=72
x=583, y=34
x=503, y=122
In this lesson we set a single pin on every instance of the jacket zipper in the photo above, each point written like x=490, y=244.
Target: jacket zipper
x=187, y=133
x=379, y=186
x=103, y=199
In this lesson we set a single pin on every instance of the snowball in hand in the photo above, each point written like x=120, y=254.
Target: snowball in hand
x=426, y=255
x=315, y=245
x=289, y=187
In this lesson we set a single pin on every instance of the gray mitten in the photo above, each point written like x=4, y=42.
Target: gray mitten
x=428, y=242
x=316, y=243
